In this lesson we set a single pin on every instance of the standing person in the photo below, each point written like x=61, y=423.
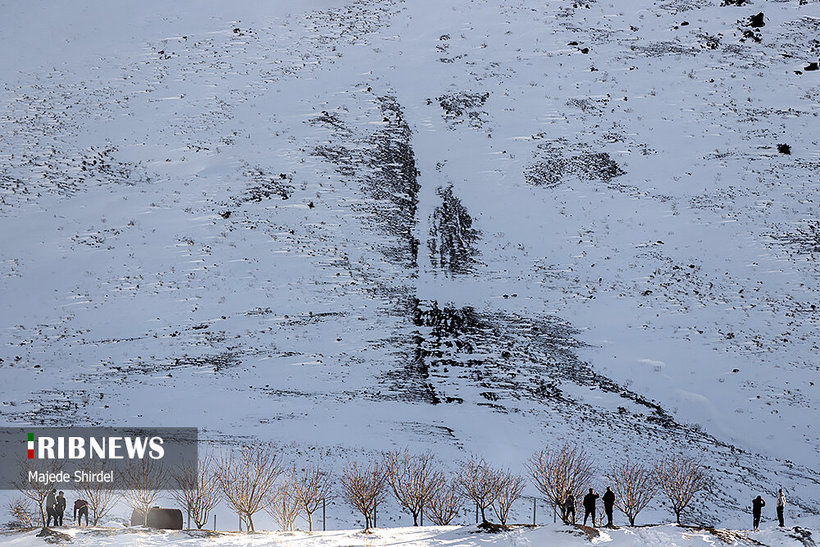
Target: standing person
x=589, y=506
x=569, y=507
x=51, y=507
x=781, y=505
x=757, y=506
x=59, y=509
x=609, y=505
x=80, y=509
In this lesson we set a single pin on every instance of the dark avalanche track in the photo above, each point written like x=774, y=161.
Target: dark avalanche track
x=447, y=355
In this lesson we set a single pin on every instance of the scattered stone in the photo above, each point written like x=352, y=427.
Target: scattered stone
x=756, y=21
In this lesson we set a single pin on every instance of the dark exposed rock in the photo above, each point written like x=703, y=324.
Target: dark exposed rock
x=756, y=21
x=551, y=171
x=452, y=236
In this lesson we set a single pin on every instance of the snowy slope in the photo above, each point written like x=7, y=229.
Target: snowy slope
x=466, y=227
x=558, y=536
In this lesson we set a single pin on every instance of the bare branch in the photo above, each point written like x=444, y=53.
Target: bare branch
x=680, y=479
x=509, y=489
x=283, y=506
x=143, y=480
x=101, y=498
x=310, y=487
x=479, y=483
x=363, y=488
x=445, y=500
x=559, y=473
x=25, y=513
x=37, y=490
x=246, y=478
x=410, y=478
x=634, y=487
x=198, y=489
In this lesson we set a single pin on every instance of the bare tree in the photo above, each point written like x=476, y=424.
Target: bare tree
x=23, y=511
x=680, y=479
x=410, y=478
x=445, y=500
x=634, y=486
x=197, y=489
x=142, y=481
x=247, y=478
x=310, y=487
x=363, y=488
x=37, y=490
x=101, y=498
x=283, y=506
x=557, y=473
x=509, y=489
x=478, y=482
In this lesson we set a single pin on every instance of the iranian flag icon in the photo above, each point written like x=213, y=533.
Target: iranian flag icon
x=31, y=446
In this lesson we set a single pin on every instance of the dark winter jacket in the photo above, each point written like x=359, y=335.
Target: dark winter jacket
x=609, y=499
x=60, y=507
x=81, y=506
x=589, y=501
x=569, y=504
x=51, y=502
x=757, y=504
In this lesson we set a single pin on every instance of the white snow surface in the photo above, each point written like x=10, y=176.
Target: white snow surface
x=641, y=278
x=552, y=535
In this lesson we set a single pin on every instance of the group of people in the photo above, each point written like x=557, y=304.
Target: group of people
x=759, y=503
x=55, y=508
x=590, y=501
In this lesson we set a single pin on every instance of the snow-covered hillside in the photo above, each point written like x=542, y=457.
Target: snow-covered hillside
x=468, y=226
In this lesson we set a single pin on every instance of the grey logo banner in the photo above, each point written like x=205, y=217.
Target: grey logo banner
x=74, y=458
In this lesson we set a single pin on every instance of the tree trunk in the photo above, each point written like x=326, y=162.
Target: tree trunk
x=249, y=519
x=310, y=523
x=632, y=521
x=677, y=516
x=415, y=519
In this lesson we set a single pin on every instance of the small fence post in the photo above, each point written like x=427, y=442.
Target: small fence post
x=323, y=514
x=240, y=522
x=533, y=511
x=476, y=513
x=375, y=506
x=214, y=522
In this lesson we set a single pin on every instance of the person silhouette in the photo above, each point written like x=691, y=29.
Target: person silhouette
x=609, y=505
x=59, y=509
x=757, y=506
x=589, y=506
x=781, y=506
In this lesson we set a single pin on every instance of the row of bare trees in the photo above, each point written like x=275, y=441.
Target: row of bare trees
x=254, y=478
x=559, y=473
x=249, y=480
